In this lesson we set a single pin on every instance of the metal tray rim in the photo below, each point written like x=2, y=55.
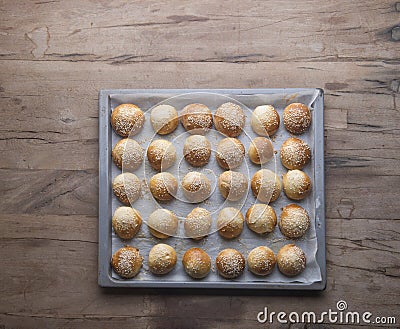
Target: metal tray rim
x=104, y=278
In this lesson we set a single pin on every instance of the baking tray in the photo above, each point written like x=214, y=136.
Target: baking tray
x=108, y=242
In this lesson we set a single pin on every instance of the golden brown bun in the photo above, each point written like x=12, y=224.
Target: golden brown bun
x=297, y=118
x=261, y=260
x=230, y=222
x=196, y=263
x=265, y=120
x=261, y=218
x=296, y=184
x=162, y=259
x=164, y=119
x=291, y=260
x=196, y=118
x=261, y=150
x=294, y=221
x=127, y=119
x=230, y=153
x=161, y=154
x=163, y=186
x=196, y=186
x=230, y=263
x=198, y=223
x=127, y=154
x=232, y=185
x=127, y=262
x=197, y=150
x=126, y=222
x=162, y=223
x=266, y=186
x=127, y=188
x=295, y=153
x=229, y=119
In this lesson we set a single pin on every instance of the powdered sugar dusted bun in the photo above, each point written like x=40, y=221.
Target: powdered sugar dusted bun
x=196, y=263
x=162, y=259
x=197, y=150
x=261, y=260
x=229, y=119
x=230, y=222
x=127, y=188
x=127, y=119
x=232, y=185
x=196, y=186
x=162, y=223
x=297, y=118
x=127, y=262
x=261, y=150
x=291, y=260
x=295, y=153
x=230, y=153
x=261, y=218
x=164, y=119
x=161, y=154
x=230, y=263
x=296, y=184
x=265, y=120
x=266, y=185
x=128, y=154
x=163, y=186
x=126, y=222
x=196, y=118
x=197, y=223
x=294, y=221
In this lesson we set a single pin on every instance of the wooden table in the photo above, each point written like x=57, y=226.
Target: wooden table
x=56, y=55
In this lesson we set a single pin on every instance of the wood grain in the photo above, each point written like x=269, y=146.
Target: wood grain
x=56, y=55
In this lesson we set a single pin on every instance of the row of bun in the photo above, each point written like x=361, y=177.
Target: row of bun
x=230, y=263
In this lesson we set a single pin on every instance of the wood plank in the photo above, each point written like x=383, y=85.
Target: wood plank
x=41, y=135
x=171, y=31
x=56, y=278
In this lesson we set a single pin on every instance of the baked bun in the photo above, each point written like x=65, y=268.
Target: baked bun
x=196, y=186
x=197, y=150
x=261, y=150
x=127, y=119
x=230, y=153
x=232, y=185
x=265, y=120
x=164, y=119
x=297, y=118
x=229, y=119
x=126, y=222
x=230, y=222
x=161, y=154
x=196, y=263
x=196, y=118
x=294, y=221
x=296, y=184
x=197, y=223
x=163, y=186
x=162, y=259
x=127, y=262
x=162, y=223
x=127, y=187
x=128, y=154
x=266, y=185
x=230, y=263
x=261, y=218
x=295, y=153
x=261, y=261
x=291, y=260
